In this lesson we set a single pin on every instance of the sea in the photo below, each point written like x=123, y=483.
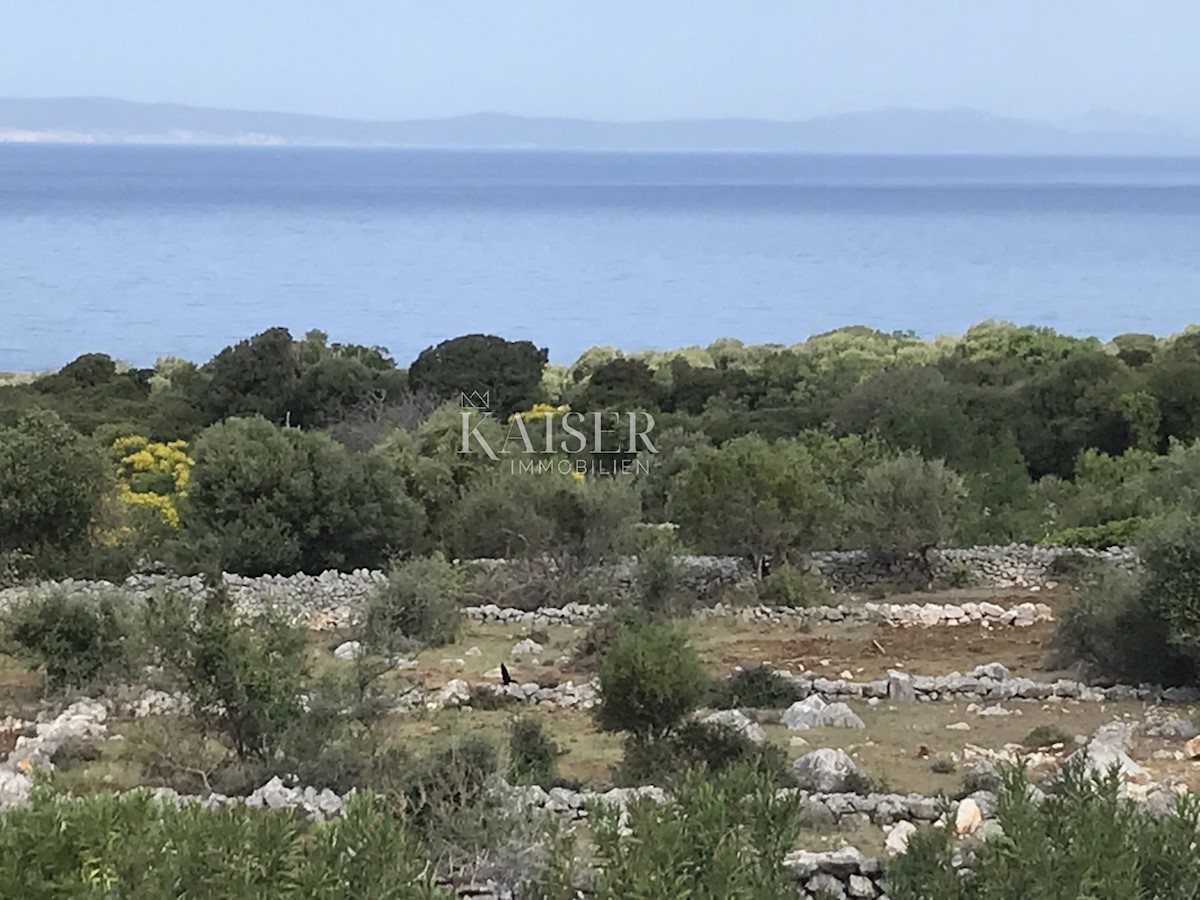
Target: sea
x=141, y=252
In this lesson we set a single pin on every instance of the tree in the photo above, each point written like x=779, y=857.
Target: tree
x=534, y=515
x=650, y=680
x=281, y=500
x=257, y=376
x=620, y=384
x=1170, y=553
x=1085, y=402
x=508, y=373
x=906, y=506
x=52, y=483
x=751, y=498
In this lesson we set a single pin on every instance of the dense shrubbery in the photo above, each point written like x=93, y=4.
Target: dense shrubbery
x=107, y=845
x=1144, y=627
x=719, y=837
x=758, y=687
x=852, y=438
x=80, y=641
x=1081, y=841
x=420, y=603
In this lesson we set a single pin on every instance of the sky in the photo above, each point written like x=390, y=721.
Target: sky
x=620, y=60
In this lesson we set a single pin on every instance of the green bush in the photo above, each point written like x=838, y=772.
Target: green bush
x=52, y=483
x=1076, y=569
x=711, y=746
x=790, y=586
x=128, y=845
x=246, y=677
x=270, y=500
x=1048, y=735
x=1121, y=533
x=1082, y=840
x=532, y=754
x=80, y=640
x=1148, y=628
x=421, y=602
x=602, y=633
x=906, y=506
x=717, y=837
x=659, y=578
x=758, y=687
x=1114, y=633
x=1170, y=553
x=959, y=575
x=650, y=680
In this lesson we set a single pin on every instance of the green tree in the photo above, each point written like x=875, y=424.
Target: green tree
x=508, y=372
x=52, y=482
x=650, y=680
x=281, y=500
x=257, y=376
x=751, y=498
x=906, y=506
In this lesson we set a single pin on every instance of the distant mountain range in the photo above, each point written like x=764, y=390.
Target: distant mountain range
x=899, y=131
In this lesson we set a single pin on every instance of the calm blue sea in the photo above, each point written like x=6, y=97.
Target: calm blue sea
x=139, y=252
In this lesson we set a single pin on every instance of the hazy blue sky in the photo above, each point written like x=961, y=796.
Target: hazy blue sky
x=613, y=59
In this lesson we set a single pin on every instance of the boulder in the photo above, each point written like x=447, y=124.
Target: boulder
x=896, y=841
x=968, y=817
x=825, y=770
x=455, y=692
x=526, y=647
x=992, y=670
x=348, y=650
x=739, y=722
x=813, y=712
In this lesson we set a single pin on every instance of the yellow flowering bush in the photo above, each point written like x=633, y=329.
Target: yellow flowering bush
x=546, y=411
x=540, y=411
x=152, y=475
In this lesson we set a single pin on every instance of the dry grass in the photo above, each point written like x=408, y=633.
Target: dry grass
x=902, y=741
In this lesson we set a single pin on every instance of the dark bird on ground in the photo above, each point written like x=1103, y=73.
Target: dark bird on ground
x=505, y=678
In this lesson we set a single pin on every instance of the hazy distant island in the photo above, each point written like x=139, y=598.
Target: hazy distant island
x=892, y=131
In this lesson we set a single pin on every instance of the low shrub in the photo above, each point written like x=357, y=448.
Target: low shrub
x=600, y=635
x=1048, y=735
x=650, y=680
x=79, y=640
x=532, y=754
x=245, y=678
x=420, y=601
x=790, y=586
x=485, y=696
x=1076, y=569
x=1119, y=533
x=659, y=579
x=758, y=687
x=708, y=745
x=958, y=576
